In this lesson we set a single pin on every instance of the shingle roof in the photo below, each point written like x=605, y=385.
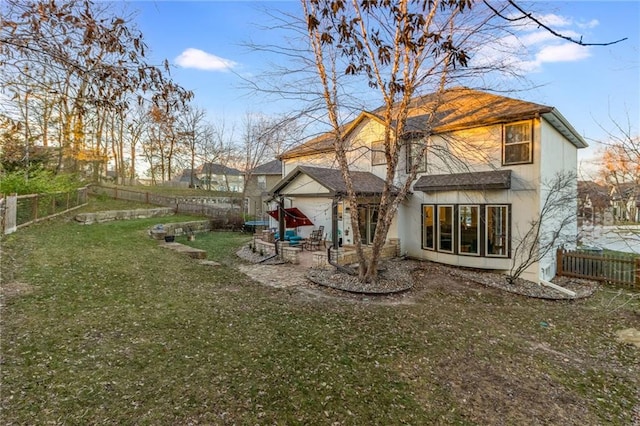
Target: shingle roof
x=217, y=169
x=271, y=168
x=364, y=183
x=496, y=179
x=459, y=108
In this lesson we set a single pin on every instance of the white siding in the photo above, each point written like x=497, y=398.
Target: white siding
x=303, y=184
x=318, y=210
x=558, y=156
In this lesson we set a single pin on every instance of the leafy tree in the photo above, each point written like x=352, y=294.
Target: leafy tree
x=39, y=182
x=82, y=63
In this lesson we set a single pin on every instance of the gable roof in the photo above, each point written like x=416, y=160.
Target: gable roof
x=495, y=179
x=273, y=167
x=185, y=176
x=364, y=183
x=459, y=108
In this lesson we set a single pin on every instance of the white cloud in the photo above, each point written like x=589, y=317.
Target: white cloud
x=553, y=20
x=550, y=20
x=530, y=47
x=566, y=52
x=588, y=25
x=201, y=60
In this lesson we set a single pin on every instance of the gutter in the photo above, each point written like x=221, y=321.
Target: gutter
x=573, y=135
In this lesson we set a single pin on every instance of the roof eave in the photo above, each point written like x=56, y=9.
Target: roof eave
x=561, y=124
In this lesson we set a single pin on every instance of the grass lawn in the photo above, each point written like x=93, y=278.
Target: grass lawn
x=100, y=325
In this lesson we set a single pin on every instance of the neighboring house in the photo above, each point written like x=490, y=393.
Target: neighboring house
x=260, y=181
x=218, y=177
x=593, y=201
x=625, y=200
x=185, y=180
x=469, y=215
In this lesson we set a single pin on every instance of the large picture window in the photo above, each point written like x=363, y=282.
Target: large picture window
x=445, y=228
x=467, y=229
x=517, y=143
x=428, y=227
x=497, y=230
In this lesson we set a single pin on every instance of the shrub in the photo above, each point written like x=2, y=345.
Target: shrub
x=38, y=182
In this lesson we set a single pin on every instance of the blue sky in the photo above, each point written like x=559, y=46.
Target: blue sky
x=204, y=40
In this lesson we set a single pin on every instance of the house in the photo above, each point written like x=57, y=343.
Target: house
x=187, y=179
x=476, y=193
x=261, y=179
x=593, y=201
x=625, y=200
x=218, y=177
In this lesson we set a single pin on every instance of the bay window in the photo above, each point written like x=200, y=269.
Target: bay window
x=467, y=229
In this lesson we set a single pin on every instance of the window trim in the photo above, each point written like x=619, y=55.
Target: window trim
x=505, y=144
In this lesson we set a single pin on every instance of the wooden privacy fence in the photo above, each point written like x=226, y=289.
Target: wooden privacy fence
x=622, y=270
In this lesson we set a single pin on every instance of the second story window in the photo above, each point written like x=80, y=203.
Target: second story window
x=414, y=146
x=262, y=182
x=517, y=143
x=377, y=153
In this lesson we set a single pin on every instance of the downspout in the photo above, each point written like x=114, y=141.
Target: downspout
x=270, y=257
x=281, y=223
x=559, y=288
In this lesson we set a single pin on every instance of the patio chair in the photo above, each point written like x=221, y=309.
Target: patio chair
x=315, y=239
x=290, y=235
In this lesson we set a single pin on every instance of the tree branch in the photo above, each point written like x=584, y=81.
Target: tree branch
x=532, y=18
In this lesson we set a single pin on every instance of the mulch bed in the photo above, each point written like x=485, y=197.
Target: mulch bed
x=399, y=275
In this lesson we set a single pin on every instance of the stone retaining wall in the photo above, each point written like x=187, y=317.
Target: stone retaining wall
x=180, y=228
x=107, y=216
x=287, y=253
x=344, y=256
x=347, y=255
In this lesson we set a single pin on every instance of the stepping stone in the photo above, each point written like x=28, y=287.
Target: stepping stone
x=209, y=263
x=189, y=251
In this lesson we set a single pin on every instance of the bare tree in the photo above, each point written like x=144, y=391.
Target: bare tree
x=399, y=50
x=263, y=139
x=620, y=168
x=192, y=128
x=554, y=224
